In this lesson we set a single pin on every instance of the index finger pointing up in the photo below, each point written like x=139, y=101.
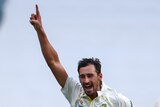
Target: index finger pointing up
x=37, y=11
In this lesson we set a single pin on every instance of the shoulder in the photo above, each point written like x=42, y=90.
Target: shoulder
x=71, y=84
x=71, y=90
x=124, y=101
x=117, y=97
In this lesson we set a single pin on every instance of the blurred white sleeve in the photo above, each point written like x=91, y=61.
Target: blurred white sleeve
x=124, y=101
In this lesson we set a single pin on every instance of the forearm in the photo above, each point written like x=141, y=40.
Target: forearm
x=48, y=51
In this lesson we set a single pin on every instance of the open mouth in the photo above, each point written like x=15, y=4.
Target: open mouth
x=87, y=87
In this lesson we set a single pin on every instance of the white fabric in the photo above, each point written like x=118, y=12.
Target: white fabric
x=107, y=97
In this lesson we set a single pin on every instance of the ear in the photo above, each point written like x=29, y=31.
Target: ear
x=100, y=76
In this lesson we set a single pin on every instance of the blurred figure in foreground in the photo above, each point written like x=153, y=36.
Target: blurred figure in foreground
x=2, y=2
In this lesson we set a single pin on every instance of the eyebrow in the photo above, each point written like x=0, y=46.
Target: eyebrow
x=86, y=74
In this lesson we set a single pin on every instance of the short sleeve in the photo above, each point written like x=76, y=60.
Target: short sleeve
x=71, y=90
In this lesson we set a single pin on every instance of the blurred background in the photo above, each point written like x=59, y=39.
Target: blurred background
x=124, y=35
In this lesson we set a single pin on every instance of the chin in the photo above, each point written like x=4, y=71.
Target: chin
x=90, y=93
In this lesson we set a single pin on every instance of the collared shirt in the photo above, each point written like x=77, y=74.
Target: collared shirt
x=107, y=97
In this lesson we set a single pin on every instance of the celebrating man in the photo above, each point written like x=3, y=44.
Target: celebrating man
x=91, y=91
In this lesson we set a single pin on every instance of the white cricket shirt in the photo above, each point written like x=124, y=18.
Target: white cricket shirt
x=107, y=97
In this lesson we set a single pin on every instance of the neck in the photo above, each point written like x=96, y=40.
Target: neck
x=93, y=96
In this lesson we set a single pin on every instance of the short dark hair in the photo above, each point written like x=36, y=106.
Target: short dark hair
x=94, y=61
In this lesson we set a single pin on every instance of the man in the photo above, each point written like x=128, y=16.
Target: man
x=92, y=92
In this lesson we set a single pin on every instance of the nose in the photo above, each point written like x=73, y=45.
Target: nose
x=86, y=80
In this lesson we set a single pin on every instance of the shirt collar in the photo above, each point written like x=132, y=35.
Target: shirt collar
x=103, y=89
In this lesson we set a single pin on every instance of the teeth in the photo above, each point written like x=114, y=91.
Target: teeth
x=87, y=86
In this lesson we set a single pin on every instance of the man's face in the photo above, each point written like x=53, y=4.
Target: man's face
x=90, y=80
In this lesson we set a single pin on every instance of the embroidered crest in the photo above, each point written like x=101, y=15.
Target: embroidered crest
x=80, y=103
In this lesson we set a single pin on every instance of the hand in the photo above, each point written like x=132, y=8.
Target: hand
x=35, y=19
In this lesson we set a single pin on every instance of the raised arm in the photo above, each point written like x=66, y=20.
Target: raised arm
x=48, y=51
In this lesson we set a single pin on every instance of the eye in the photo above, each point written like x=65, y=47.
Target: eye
x=89, y=75
x=81, y=76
